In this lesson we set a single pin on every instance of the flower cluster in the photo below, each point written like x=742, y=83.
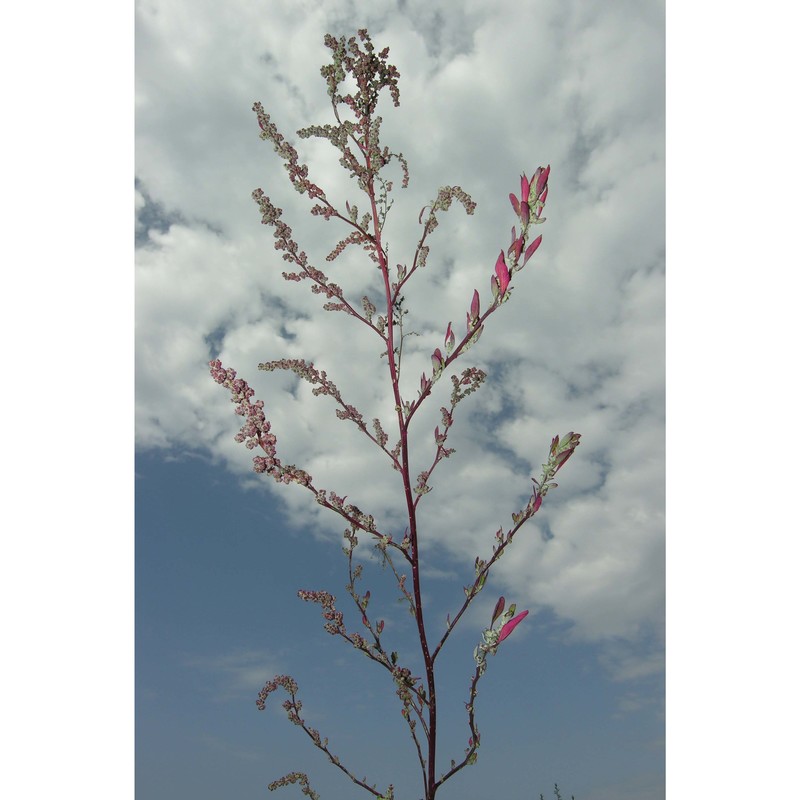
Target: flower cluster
x=334, y=619
x=256, y=429
x=285, y=681
x=292, y=778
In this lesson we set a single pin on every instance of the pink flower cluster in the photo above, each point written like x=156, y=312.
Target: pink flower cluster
x=256, y=429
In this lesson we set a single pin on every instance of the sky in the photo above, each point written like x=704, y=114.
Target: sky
x=67, y=324
x=577, y=697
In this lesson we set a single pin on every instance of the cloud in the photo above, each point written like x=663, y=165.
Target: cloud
x=234, y=674
x=484, y=96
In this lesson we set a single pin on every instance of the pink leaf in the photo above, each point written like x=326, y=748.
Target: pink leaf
x=525, y=188
x=514, y=203
x=532, y=247
x=542, y=181
x=475, y=308
x=510, y=625
x=501, y=270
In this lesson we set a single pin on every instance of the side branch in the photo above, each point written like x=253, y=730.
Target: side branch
x=306, y=370
x=560, y=451
x=292, y=706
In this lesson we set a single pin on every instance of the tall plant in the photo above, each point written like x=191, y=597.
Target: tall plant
x=356, y=135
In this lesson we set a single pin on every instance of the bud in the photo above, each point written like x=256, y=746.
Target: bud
x=475, y=308
x=438, y=362
x=498, y=609
x=449, y=339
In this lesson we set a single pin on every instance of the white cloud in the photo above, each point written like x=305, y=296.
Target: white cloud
x=484, y=96
x=234, y=673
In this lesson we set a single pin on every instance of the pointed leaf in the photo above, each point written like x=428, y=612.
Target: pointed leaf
x=501, y=270
x=525, y=188
x=505, y=631
x=542, y=181
x=532, y=247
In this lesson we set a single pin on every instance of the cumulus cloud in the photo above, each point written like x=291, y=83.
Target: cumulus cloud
x=484, y=96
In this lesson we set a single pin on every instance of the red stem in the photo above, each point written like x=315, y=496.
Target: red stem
x=430, y=779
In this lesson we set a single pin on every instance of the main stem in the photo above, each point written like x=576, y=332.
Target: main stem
x=430, y=778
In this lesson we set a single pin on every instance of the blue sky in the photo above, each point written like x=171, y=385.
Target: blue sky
x=217, y=616
x=578, y=696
